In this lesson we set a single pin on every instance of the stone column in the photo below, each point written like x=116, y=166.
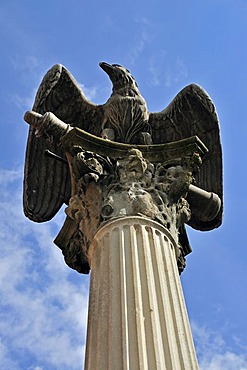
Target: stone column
x=125, y=222
x=137, y=314
x=126, y=217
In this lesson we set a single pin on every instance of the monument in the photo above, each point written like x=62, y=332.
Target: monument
x=131, y=180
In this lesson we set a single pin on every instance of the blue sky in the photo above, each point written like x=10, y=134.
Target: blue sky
x=166, y=45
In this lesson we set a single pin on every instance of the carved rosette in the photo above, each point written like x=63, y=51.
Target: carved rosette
x=107, y=188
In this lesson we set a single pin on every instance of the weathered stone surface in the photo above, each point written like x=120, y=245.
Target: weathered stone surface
x=123, y=118
x=131, y=181
x=107, y=188
x=137, y=315
x=116, y=180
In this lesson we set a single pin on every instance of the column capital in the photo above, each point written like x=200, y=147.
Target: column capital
x=114, y=180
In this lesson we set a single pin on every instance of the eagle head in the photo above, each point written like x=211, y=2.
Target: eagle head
x=119, y=76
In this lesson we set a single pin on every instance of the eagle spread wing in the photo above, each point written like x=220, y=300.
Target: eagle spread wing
x=192, y=112
x=47, y=180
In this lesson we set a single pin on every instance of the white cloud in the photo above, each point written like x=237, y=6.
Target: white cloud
x=213, y=351
x=28, y=69
x=43, y=311
x=224, y=361
x=155, y=72
x=23, y=102
x=9, y=176
x=139, y=45
x=178, y=72
x=24, y=62
x=5, y=360
x=89, y=92
x=25, y=68
x=142, y=20
x=141, y=40
x=166, y=70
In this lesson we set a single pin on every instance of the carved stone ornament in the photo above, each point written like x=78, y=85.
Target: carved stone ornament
x=136, y=187
x=119, y=181
x=117, y=159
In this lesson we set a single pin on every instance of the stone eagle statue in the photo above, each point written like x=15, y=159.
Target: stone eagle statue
x=123, y=118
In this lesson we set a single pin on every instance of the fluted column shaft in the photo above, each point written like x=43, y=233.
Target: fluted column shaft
x=137, y=315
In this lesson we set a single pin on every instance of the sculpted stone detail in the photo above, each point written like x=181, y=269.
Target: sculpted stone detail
x=142, y=188
x=75, y=252
x=118, y=159
x=131, y=186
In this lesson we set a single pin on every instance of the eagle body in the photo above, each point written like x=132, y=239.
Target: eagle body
x=125, y=111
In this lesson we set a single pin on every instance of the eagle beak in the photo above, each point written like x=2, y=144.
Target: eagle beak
x=108, y=68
